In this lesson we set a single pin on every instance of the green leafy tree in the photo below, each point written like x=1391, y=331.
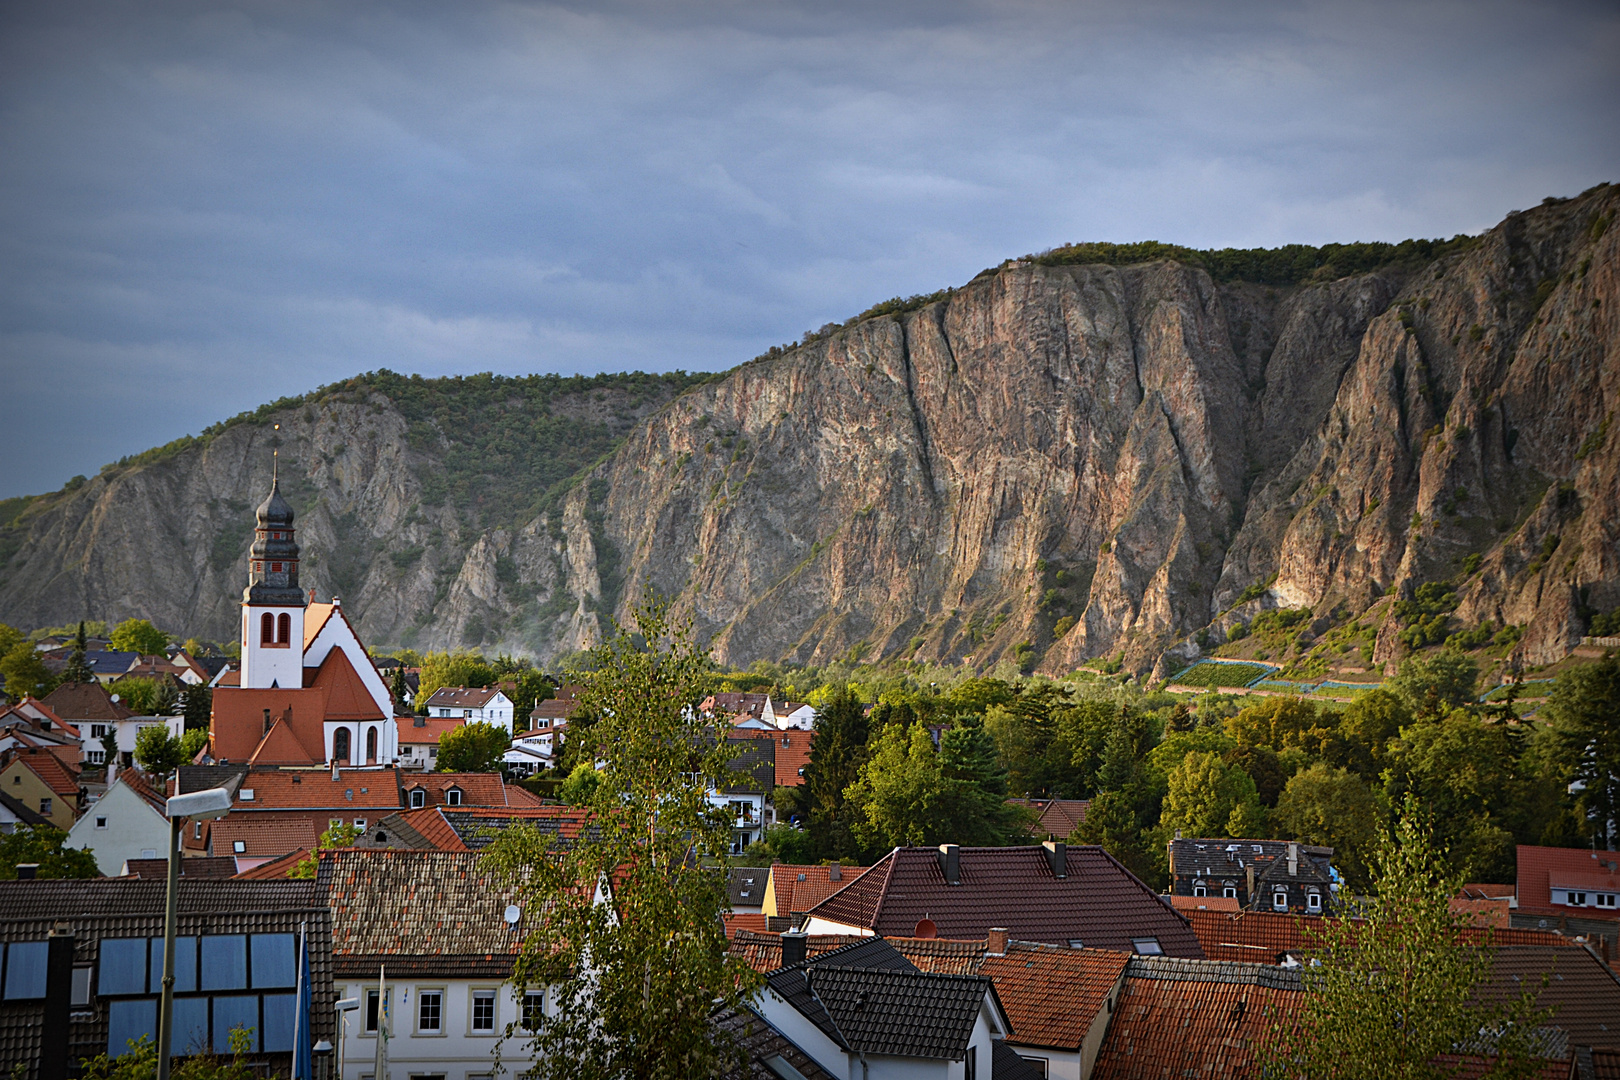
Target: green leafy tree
x=198, y=708
x=341, y=835
x=192, y=743
x=139, y=1062
x=1434, y=684
x=157, y=751
x=1386, y=996
x=1208, y=797
x=836, y=756
x=1584, y=710
x=473, y=747
x=579, y=786
x=25, y=672
x=1335, y=808
x=899, y=795
x=1368, y=724
x=10, y=638
x=147, y=697
x=139, y=636
x=42, y=844
x=399, y=689
x=634, y=980
x=1111, y=822
x=78, y=669
x=780, y=843
x=109, y=744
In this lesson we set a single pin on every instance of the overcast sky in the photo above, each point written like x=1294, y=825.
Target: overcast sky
x=204, y=207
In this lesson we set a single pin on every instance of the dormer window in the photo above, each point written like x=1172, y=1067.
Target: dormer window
x=1313, y=902
x=418, y=798
x=1279, y=901
x=452, y=797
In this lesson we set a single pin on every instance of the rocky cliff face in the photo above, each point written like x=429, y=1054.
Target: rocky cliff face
x=1055, y=462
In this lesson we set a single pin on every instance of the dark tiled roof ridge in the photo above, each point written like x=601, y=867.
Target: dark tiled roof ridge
x=1177, y=969
x=1141, y=885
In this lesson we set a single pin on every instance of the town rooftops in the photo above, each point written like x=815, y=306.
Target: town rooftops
x=1184, y=1018
x=240, y=836
x=1095, y=903
x=424, y=729
x=1582, y=992
x=300, y=789
x=792, y=750
x=470, y=789
x=1271, y=937
x=1220, y=856
x=205, y=867
x=795, y=888
x=418, y=912
x=239, y=728
x=83, y=702
x=45, y=765
x=1053, y=994
x=462, y=697
x=346, y=695
x=869, y=999
x=1543, y=869
x=108, y=662
x=746, y=885
x=546, y=713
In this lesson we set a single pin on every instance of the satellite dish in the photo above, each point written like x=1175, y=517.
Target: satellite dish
x=115, y=697
x=513, y=912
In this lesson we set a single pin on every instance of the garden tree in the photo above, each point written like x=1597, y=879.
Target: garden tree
x=147, y=697
x=1465, y=771
x=1083, y=730
x=1264, y=767
x=1028, y=738
x=780, y=843
x=78, y=669
x=400, y=689
x=836, y=755
x=1434, y=684
x=1125, y=811
x=139, y=636
x=579, y=787
x=531, y=688
x=10, y=637
x=198, y=708
x=157, y=751
x=1584, y=711
x=1208, y=797
x=195, y=647
x=139, y=1062
x=25, y=673
x=1390, y=993
x=1335, y=808
x=475, y=747
x=1367, y=725
x=634, y=980
x=1111, y=823
x=341, y=835
x=42, y=844
x=978, y=788
x=976, y=695
x=460, y=668
x=109, y=744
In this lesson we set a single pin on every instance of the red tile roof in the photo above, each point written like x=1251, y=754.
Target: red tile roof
x=315, y=616
x=260, y=838
x=205, y=867
x=462, y=697
x=1267, y=937
x=80, y=702
x=1097, y=902
x=477, y=789
x=442, y=907
x=744, y=920
x=1605, y=1064
x=424, y=729
x=1181, y=1018
x=1582, y=992
x=793, y=888
x=314, y=789
x=1540, y=868
x=1057, y=817
x=237, y=726
x=275, y=868
x=51, y=771
x=1052, y=994
x=557, y=708
x=763, y=952
x=346, y=695
x=1205, y=903
x=792, y=752
x=428, y=823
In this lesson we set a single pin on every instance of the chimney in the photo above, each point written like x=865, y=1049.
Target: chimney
x=996, y=943
x=795, y=947
x=950, y=863
x=1293, y=860
x=835, y=872
x=1057, y=856
x=1249, y=874
x=27, y=871
x=53, y=1055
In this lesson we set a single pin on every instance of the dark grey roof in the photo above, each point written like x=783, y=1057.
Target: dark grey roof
x=98, y=908
x=1175, y=969
x=746, y=885
x=761, y=1043
x=203, y=777
x=758, y=761
x=109, y=662
x=1226, y=857
x=21, y=812
x=1005, y=1064
x=902, y=1013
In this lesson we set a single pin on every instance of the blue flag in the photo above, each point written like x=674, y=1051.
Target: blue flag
x=302, y=1066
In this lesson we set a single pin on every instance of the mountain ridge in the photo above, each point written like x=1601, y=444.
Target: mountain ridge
x=1130, y=447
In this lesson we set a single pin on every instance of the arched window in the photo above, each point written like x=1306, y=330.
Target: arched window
x=267, y=629
x=283, y=628
x=371, y=745
x=340, y=745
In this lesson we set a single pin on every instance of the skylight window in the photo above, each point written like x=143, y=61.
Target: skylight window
x=1146, y=946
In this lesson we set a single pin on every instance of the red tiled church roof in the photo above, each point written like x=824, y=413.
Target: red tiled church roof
x=346, y=696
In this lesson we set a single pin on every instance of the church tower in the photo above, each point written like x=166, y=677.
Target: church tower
x=273, y=604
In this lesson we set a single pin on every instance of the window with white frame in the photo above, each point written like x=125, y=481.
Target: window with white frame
x=1279, y=901
x=534, y=1009
x=483, y=1012
x=1199, y=890
x=101, y=823
x=452, y=797
x=418, y=798
x=1147, y=946
x=1313, y=901
x=430, y=1012
x=1229, y=892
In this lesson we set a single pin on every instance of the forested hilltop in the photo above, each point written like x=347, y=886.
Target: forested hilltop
x=1318, y=460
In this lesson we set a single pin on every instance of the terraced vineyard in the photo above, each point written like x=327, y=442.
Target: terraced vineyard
x=1206, y=673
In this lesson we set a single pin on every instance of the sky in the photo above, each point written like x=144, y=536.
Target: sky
x=204, y=207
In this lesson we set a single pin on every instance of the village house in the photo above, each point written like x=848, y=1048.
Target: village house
x=30, y=723
x=1073, y=895
x=39, y=780
x=1270, y=875
x=14, y=815
x=471, y=705
x=793, y=890
x=1574, y=890
x=1055, y=819
x=419, y=739
x=127, y=822
x=748, y=796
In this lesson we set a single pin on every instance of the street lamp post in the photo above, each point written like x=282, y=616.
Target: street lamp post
x=209, y=805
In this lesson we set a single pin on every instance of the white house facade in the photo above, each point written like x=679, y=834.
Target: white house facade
x=123, y=824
